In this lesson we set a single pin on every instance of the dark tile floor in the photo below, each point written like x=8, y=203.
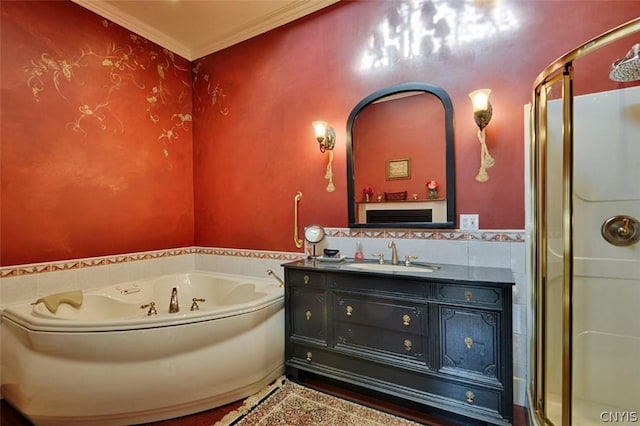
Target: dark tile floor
x=10, y=417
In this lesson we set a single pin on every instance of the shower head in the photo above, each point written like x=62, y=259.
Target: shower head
x=627, y=68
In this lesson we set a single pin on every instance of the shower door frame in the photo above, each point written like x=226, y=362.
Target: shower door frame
x=560, y=71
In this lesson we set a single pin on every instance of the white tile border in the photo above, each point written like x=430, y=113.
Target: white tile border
x=501, y=236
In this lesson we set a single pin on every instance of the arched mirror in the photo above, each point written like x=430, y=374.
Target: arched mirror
x=400, y=159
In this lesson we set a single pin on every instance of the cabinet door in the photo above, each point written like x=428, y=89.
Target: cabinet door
x=308, y=313
x=470, y=341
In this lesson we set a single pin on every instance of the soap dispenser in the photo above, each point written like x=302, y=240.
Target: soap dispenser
x=359, y=256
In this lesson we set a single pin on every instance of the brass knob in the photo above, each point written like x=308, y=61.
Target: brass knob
x=349, y=310
x=406, y=319
x=470, y=395
x=308, y=315
x=306, y=279
x=309, y=356
x=468, y=341
x=468, y=295
x=407, y=344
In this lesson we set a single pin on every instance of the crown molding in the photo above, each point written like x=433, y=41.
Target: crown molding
x=135, y=25
x=292, y=11
x=244, y=31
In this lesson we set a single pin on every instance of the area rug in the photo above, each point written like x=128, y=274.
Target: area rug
x=288, y=403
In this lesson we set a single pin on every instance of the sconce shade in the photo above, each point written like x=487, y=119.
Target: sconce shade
x=325, y=135
x=482, y=109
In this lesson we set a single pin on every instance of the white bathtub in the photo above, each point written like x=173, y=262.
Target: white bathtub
x=109, y=363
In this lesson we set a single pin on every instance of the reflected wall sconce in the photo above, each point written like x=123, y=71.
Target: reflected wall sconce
x=326, y=138
x=482, y=112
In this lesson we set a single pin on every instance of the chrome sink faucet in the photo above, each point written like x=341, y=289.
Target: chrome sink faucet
x=394, y=253
x=173, y=303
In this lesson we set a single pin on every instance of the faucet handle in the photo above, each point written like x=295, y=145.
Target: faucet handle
x=194, y=305
x=407, y=259
x=380, y=257
x=152, y=308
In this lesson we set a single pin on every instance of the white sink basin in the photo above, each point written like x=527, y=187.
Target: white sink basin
x=389, y=268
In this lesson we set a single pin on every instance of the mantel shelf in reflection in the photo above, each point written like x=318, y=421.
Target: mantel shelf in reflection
x=405, y=211
x=419, y=200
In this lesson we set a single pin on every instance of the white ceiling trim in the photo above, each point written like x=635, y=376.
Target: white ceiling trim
x=244, y=31
x=259, y=25
x=137, y=26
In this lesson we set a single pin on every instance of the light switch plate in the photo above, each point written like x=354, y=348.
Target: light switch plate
x=469, y=222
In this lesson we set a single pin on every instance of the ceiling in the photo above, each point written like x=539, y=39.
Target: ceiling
x=196, y=28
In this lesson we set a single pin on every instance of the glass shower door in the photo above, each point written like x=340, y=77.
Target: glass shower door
x=606, y=274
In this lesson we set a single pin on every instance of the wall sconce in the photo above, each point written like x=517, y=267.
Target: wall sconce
x=482, y=112
x=326, y=137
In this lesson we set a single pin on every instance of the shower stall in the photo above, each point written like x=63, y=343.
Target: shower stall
x=584, y=234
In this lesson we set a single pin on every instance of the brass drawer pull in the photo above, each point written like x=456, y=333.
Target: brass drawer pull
x=468, y=341
x=306, y=279
x=309, y=356
x=406, y=320
x=308, y=315
x=349, y=310
x=468, y=295
x=470, y=395
x=407, y=344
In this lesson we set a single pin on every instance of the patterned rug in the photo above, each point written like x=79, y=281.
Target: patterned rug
x=290, y=404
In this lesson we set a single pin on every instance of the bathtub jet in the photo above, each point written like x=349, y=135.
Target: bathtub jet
x=107, y=362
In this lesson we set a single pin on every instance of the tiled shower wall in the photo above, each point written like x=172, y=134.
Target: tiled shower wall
x=486, y=248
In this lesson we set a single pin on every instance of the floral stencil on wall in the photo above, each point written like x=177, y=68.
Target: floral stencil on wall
x=215, y=95
x=114, y=86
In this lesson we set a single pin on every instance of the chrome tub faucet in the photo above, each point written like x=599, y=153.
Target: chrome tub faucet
x=173, y=303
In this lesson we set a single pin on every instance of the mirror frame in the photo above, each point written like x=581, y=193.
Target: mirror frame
x=399, y=89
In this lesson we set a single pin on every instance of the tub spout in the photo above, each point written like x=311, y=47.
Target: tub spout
x=173, y=303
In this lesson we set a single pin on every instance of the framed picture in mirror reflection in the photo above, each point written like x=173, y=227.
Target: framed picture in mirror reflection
x=398, y=168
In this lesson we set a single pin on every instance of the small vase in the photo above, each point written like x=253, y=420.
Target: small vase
x=433, y=194
x=367, y=197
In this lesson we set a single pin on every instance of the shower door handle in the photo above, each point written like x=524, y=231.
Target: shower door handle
x=621, y=230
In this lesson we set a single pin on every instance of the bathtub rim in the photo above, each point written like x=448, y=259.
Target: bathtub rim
x=21, y=313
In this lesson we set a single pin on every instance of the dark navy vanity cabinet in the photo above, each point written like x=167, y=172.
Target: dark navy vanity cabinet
x=440, y=339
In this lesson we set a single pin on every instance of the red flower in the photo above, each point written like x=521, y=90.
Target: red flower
x=367, y=190
x=432, y=184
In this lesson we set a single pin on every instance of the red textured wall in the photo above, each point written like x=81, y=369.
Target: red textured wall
x=252, y=160
x=98, y=155
x=96, y=146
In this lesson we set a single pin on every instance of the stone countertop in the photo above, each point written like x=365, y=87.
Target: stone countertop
x=444, y=273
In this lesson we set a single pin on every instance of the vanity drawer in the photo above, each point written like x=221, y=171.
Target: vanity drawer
x=346, y=364
x=380, y=285
x=470, y=341
x=305, y=278
x=308, y=313
x=381, y=343
x=467, y=395
x=470, y=295
x=381, y=313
